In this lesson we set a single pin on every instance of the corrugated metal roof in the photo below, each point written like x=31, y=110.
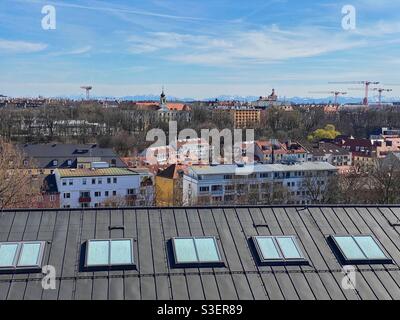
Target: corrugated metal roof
x=68, y=173
x=241, y=278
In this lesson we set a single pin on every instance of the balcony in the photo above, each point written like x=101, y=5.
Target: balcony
x=85, y=200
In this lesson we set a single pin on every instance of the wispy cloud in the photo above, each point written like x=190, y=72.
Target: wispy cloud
x=379, y=29
x=79, y=51
x=112, y=9
x=266, y=45
x=10, y=46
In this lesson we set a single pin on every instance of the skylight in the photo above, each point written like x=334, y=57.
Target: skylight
x=21, y=255
x=109, y=253
x=196, y=250
x=278, y=250
x=359, y=249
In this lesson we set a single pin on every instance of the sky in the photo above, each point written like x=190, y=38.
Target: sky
x=197, y=48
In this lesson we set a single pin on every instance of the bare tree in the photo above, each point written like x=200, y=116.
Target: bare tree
x=16, y=183
x=385, y=181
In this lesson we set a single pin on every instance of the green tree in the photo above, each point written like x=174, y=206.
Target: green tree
x=329, y=132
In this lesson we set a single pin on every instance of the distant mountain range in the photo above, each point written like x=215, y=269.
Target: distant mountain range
x=151, y=97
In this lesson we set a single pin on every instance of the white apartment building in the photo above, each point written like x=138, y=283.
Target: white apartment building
x=187, y=151
x=98, y=187
x=227, y=184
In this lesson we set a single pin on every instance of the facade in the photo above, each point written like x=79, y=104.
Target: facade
x=45, y=158
x=273, y=151
x=363, y=150
x=260, y=183
x=268, y=101
x=242, y=117
x=168, y=186
x=88, y=188
x=173, y=111
x=331, y=153
x=186, y=152
x=246, y=118
x=240, y=274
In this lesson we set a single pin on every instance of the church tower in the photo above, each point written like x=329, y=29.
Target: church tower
x=163, y=99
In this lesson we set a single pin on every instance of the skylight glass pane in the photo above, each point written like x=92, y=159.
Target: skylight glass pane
x=185, y=250
x=98, y=253
x=121, y=252
x=350, y=248
x=29, y=255
x=7, y=254
x=207, y=250
x=268, y=249
x=370, y=247
x=288, y=248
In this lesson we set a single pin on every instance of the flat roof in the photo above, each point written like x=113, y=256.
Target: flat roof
x=65, y=232
x=71, y=173
x=259, y=168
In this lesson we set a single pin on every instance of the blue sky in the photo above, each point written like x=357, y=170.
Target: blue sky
x=196, y=48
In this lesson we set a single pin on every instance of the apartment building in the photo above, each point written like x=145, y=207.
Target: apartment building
x=168, y=186
x=186, y=151
x=363, y=151
x=88, y=188
x=45, y=158
x=246, y=118
x=329, y=152
x=241, y=116
x=261, y=183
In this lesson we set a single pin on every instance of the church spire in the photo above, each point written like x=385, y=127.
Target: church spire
x=163, y=100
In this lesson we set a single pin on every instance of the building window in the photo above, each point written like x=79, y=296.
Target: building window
x=107, y=193
x=108, y=180
x=69, y=163
x=85, y=194
x=278, y=250
x=131, y=191
x=199, y=250
x=93, y=181
x=84, y=181
x=55, y=163
x=97, y=194
x=67, y=195
x=21, y=255
x=64, y=182
x=52, y=198
x=71, y=182
x=114, y=193
x=107, y=253
x=204, y=189
x=361, y=249
x=100, y=181
x=115, y=180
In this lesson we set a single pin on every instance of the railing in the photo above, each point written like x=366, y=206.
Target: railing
x=85, y=200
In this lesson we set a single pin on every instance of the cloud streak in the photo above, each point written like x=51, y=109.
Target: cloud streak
x=10, y=46
x=266, y=45
x=115, y=10
x=74, y=52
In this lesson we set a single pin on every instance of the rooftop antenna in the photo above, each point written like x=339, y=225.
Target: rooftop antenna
x=87, y=89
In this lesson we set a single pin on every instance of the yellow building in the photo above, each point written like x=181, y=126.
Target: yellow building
x=246, y=118
x=168, y=186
